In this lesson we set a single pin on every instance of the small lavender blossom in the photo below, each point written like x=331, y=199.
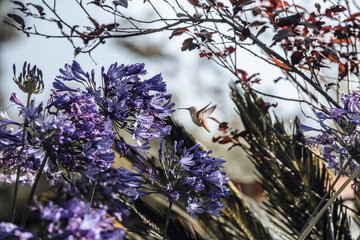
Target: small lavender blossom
x=11, y=231
x=194, y=206
x=190, y=174
x=74, y=220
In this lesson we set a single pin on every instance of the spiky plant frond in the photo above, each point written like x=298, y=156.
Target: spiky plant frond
x=293, y=178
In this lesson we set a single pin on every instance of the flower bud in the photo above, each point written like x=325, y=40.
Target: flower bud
x=30, y=80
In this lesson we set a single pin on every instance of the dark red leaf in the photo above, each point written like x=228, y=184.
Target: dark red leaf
x=282, y=34
x=215, y=139
x=59, y=24
x=122, y=3
x=178, y=32
x=223, y=127
x=39, y=8
x=317, y=53
x=264, y=106
x=22, y=6
x=195, y=3
x=257, y=23
x=262, y=30
x=77, y=51
x=333, y=10
x=181, y=15
x=244, y=34
x=188, y=44
x=225, y=140
x=238, y=5
x=282, y=4
x=230, y=49
x=206, y=54
x=95, y=2
x=296, y=57
x=17, y=19
x=204, y=35
x=292, y=20
x=342, y=71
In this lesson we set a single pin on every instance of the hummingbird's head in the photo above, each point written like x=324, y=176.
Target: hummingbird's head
x=191, y=109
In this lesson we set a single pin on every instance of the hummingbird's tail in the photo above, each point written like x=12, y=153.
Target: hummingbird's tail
x=206, y=126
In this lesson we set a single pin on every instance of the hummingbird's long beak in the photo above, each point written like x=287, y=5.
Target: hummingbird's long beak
x=184, y=108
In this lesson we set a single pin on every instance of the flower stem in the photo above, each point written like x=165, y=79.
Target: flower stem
x=16, y=186
x=167, y=219
x=325, y=207
x=31, y=195
x=91, y=193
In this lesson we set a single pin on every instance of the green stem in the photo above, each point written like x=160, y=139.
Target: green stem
x=91, y=193
x=167, y=219
x=36, y=182
x=331, y=200
x=16, y=186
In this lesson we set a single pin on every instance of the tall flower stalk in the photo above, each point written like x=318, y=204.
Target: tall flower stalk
x=32, y=192
x=31, y=82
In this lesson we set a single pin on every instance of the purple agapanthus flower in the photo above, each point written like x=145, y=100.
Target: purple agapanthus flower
x=70, y=131
x=11, y=231
x=190, y=173
x=139, y=107
x=83, y=142
x=74, y=220
x=337, y=147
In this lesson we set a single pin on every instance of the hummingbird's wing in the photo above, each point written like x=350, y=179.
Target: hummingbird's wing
x=204, y=108
x=206, y=113
x=201, y=110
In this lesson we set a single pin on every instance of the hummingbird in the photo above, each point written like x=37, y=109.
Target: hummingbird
x=199, y=117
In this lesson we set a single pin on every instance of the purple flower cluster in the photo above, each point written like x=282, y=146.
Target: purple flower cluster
x=11, y=231
x=339, y=144
x=71, y=131
x=139, y=107
x=74, y=220
x=109, y=187
x=85, y=137
x=75, y=137
x=189, y=175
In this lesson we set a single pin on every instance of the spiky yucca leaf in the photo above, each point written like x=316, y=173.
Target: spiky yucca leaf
x=293, y=179
x=242, y=219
